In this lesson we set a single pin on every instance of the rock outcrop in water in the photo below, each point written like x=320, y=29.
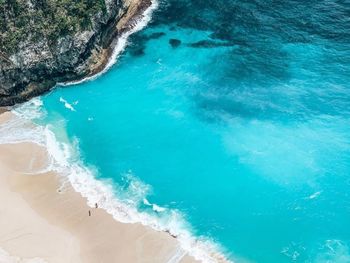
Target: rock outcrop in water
x=43, y=42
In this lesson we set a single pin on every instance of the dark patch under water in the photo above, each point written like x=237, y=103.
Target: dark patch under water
x=139, y=44
x=260, y=31
x=174, y=42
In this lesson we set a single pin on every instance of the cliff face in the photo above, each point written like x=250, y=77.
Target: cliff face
x=43, y=42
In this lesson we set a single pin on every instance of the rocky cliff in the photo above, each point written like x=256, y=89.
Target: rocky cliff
x=43, y=42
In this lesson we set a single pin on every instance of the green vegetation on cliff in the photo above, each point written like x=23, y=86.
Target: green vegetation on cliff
x=34, y=20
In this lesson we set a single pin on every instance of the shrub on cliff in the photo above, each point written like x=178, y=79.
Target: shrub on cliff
x=34, y=20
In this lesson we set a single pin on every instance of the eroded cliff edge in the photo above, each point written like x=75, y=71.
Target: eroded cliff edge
x=43, y=42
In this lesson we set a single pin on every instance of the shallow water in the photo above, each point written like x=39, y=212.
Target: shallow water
x=242, y=127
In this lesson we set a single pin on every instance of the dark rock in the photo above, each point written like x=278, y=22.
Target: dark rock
x=137, y=52
x=209, y=44
x=174, y=42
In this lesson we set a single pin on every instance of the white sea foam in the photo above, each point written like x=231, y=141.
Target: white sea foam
x=146, y=202
x=314, y=195
x=158, y=208
x=16, y=131
x=333, y=250
x=122, y=42
x=293, y=251
x=66, y=104
x=22, y=129
x=30, y=110
x=155, y=207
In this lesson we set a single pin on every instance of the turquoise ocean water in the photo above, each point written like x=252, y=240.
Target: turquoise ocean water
x=234, y=115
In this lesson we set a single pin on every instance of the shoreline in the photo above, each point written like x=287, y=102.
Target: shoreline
x=43, y=213
x=129, y=24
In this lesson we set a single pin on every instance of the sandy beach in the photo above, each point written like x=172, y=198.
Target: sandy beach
x=44, y=220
